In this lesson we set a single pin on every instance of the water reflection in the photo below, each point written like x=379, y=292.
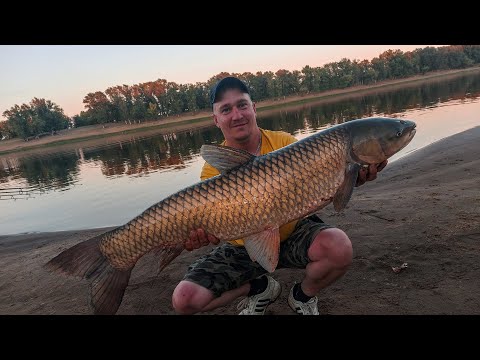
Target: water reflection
x=26, y=177
x=142, y=156
x=137, y=157
x=163, y=164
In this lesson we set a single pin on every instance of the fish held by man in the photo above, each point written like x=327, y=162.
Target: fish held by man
x=251, y=198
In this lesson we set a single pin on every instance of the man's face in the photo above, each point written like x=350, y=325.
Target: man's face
x=235, y=114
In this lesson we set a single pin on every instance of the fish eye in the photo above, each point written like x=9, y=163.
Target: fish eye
x=399, y=134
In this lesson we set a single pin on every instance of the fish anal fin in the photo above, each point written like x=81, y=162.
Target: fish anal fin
x=224, y=158
x=166, y=254
x=264, y=248
x=344, y=192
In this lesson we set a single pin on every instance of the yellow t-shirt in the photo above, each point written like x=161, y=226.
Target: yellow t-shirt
x=271, y=140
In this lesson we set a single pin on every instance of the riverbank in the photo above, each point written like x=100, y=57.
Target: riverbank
x=97, y=134
x=423, y=210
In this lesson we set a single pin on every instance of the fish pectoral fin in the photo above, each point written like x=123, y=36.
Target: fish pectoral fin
x=225, y=158
x=166, y=254
x=264, y=248
x=344, y=192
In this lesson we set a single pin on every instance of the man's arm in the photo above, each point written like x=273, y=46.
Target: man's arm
x=199, y=238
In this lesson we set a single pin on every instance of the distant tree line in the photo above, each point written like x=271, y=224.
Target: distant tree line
x=38, y=118
x=161, y=98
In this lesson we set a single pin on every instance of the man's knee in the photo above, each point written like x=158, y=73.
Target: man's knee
x=333, y=244
x=190, y=298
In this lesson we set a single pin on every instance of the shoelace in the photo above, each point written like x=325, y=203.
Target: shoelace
x=243, y=304
x=309, y=309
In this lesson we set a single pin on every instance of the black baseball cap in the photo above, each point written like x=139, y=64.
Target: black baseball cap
x=229, y=82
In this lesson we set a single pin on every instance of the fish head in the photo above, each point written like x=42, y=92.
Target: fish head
x=376, y=139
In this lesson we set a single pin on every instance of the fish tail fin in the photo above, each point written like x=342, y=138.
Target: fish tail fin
x=85, y=260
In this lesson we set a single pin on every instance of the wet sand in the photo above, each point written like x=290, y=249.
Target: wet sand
x=423, y=210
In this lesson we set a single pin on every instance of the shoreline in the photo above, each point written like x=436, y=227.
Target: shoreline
x=93, y=134
x=423, y=209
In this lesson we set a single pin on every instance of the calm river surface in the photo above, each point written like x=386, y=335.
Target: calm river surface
x=110, y=184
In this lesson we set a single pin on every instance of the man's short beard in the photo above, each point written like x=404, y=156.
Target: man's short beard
x=243, y=139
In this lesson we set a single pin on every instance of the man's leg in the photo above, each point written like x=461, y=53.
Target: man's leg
x=215, y=280
x=189, y=298
x=330, y=255
x=325, y=253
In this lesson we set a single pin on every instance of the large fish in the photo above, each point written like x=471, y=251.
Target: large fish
x=250, y=199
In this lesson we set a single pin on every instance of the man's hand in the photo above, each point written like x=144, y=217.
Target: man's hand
x=370, y=173
x=199, y=238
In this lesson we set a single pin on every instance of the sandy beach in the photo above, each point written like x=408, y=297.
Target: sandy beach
x=423, y=210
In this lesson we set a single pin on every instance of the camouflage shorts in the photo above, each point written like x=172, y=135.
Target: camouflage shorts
x=229, y=266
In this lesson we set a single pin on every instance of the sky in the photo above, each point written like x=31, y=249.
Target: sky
x=65, y=74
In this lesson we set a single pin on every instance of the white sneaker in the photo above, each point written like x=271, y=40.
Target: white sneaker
x=307, y=308
x=257, y=304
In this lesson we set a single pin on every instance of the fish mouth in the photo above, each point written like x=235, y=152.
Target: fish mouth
x=409, y=125
x=409, y=129
x=408, y=134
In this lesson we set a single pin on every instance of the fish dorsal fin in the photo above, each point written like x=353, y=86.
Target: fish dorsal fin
x=264, y=248
x=344, y=192
x=225, y=158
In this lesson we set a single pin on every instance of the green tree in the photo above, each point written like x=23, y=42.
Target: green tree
x=473, y=52
x=37, y=117
x=308, y=79
x=98, y=107
x=47, y=116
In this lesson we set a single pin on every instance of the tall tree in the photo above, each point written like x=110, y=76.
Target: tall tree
x=37, y=117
